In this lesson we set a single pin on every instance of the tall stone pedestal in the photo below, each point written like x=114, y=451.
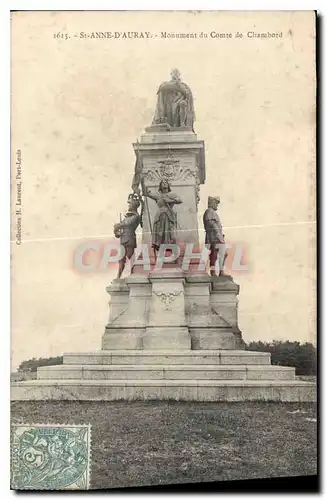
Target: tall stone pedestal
x=178, y=157
x=178, y=311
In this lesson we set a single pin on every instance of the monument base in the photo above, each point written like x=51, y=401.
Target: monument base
x=169, y=337
x=173, y=310
x=185, y=375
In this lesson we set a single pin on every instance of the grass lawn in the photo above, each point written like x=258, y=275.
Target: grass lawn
x=156, y=443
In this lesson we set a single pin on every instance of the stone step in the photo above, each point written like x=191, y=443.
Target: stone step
x=158, y=357
x=177, y=390
x=168, y=372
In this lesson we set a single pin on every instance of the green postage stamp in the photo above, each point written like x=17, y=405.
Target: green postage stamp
x=50, y=457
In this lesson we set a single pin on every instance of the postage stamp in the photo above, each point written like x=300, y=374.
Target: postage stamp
x=50, y=457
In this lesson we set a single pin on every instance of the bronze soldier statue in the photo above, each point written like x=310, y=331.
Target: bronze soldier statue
x=125, y=230
x=214, y=233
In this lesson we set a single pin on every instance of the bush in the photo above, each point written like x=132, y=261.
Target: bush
x=303, y=357
x=31, y=364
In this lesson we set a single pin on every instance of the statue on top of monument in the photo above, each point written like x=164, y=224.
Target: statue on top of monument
x=214, y=235
x=165, y=220
x=175, y=106
x=125, y=230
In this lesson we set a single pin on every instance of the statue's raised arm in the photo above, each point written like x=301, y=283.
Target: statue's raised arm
x=154, y=196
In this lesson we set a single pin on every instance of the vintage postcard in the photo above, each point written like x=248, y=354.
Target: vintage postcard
x=163, y=243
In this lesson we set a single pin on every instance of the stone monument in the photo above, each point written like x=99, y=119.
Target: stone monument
x=172, y=331
x=214, y=236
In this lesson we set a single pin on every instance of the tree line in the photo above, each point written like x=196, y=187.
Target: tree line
x=302, y=357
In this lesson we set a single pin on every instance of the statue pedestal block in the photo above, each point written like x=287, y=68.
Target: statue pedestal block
x=177, y=157
x=167, y=338
x=212, y=338
x=167, y=326
x=172, y=310
x=208, y=327
x=128, y=308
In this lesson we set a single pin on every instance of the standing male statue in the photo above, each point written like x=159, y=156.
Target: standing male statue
x=214, y=235
x=174, y=103
x=125, y=230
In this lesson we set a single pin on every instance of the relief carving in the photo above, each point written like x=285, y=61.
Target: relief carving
x=169, y=169
x=168, y=298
